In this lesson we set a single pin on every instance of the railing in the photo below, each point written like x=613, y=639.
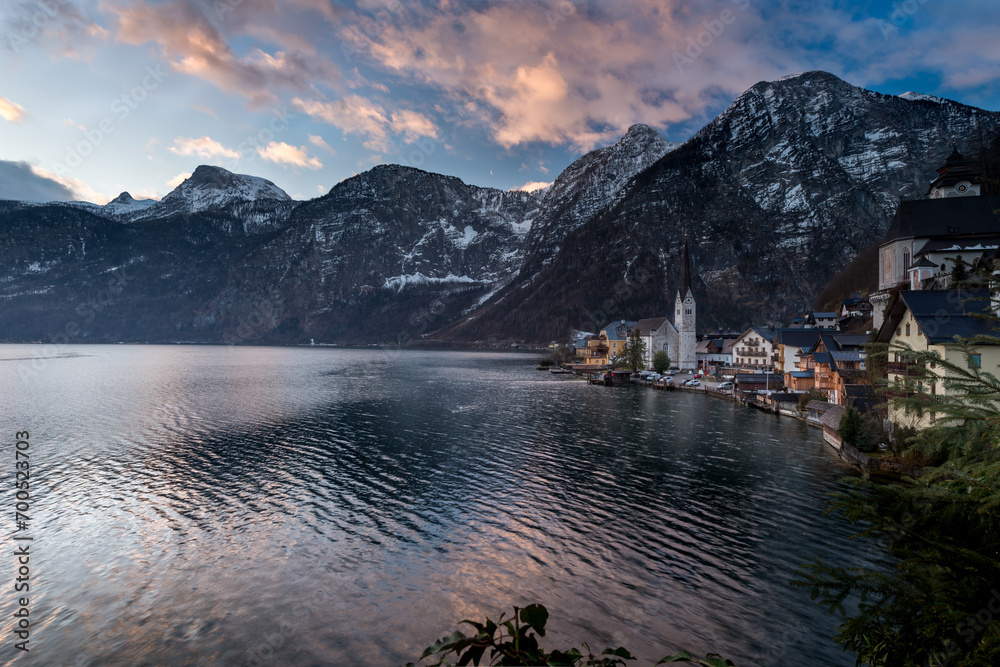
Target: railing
x=904, y=368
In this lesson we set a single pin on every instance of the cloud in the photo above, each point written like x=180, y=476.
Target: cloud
x=186, y=35
x=413, y=125
x=203, y=147
x=532, y=186
x=317, y=140
x=18, y=180
x=281, y=153
x=358, y=115
x=178, y=179
x=11, y=111
x=26, y=182
x=579, y=74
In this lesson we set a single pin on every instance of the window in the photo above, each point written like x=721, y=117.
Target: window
x=687, y=311
x=906, y=258
x=975, y=360
x=907, y=328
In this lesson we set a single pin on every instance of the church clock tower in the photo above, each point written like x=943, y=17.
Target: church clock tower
x=684, y=318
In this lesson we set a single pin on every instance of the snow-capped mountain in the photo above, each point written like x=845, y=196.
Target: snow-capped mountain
x=255, y=204
x=386, y=246
x=125, y=207
x=775, y=195
x=590, y=185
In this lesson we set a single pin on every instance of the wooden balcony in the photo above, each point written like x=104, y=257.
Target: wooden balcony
x=904, y=368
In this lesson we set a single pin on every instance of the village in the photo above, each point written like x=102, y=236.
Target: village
x=822, y=366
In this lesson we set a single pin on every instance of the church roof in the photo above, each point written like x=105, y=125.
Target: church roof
x=650, y=324
x=942, y=218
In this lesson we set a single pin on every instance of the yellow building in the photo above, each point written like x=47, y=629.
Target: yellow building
x=927, y=320
x=608, y=344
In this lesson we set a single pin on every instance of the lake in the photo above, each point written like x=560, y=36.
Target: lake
x=324, y=506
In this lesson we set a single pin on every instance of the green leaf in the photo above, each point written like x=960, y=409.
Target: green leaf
x=680, y=656
x=621, y=652
x=536, y=616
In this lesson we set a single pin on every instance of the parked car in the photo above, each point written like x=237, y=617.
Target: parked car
x=698, y=375
x=694, y=383
x=725, y=386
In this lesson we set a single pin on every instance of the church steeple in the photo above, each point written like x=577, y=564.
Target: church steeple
x=959, y=176
x=685, y=312
x=685, y=284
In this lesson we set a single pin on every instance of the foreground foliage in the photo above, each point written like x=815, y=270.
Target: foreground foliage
x=514, y=641
x=938, y=603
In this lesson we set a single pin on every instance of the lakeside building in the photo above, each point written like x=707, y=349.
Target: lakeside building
x=607, y=344
x=678, y=340
x=755, y=349
x=927, y=320
x=926, y=236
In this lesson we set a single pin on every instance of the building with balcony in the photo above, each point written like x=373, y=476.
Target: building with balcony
x=755, y=349
x=608, y=344
x=930, y=320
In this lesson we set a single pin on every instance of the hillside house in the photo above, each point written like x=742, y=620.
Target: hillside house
x=928, y=320
x=926, y=236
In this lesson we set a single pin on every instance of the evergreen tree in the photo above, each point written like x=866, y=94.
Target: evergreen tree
x=938, y=603
x=634, y=354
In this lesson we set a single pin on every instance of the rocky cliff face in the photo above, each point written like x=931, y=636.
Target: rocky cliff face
x=774, y=196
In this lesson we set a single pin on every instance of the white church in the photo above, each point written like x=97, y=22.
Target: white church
x=678, y=340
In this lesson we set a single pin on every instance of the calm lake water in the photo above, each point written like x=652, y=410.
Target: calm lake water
x=316, y=506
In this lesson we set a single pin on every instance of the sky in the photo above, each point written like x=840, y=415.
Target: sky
x=102, y=96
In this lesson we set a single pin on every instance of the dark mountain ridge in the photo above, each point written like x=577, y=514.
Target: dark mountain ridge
x=774, y=196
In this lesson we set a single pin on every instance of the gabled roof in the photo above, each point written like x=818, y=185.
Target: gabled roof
x=766, y=333
x=822, y=357
x=826, y=316
x=803, y=338
x=924, y=263
x=831, y=418
x=847, y=355
x=850, y=340
x=951, y=216
x=618, y=330
x=650, y=324
x=819, y=406
x=942, y=314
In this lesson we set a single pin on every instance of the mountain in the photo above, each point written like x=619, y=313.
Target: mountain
x=236, y=202
x=775, y=195
x=385, y=254
x=588, y=186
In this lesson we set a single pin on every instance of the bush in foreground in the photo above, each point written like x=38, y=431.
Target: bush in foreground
x=515, y=642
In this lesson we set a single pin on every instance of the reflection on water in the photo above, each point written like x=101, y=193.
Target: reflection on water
x=315, y=506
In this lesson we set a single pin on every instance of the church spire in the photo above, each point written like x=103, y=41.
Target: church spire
x=685, y=284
